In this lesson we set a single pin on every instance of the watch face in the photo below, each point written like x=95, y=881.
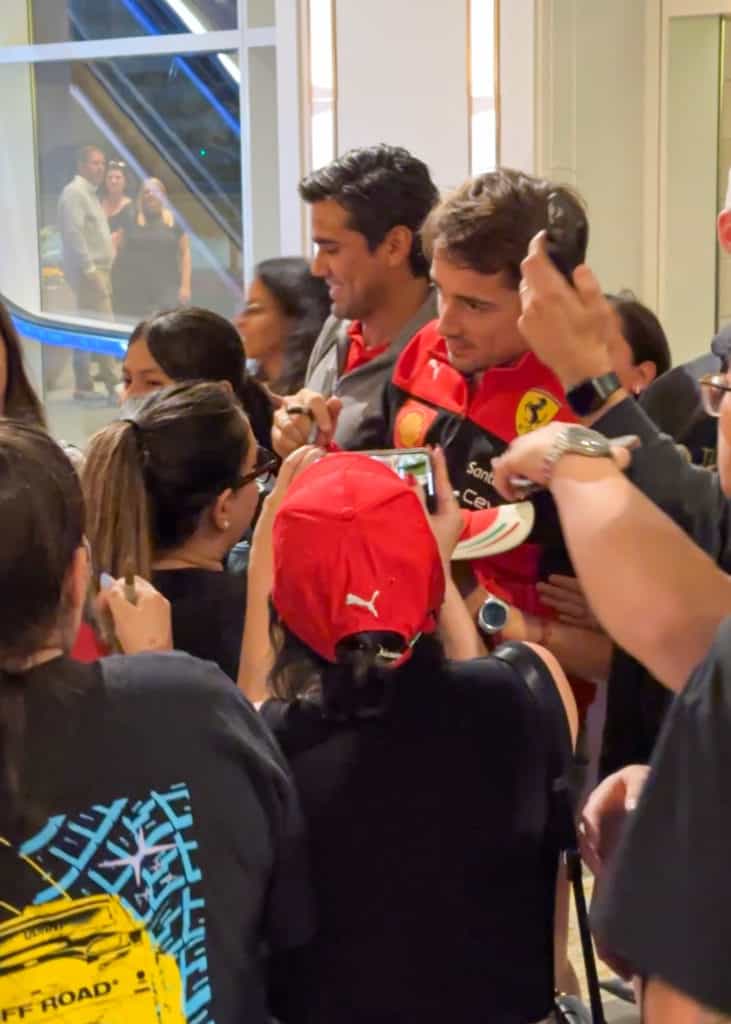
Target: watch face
x=493, y=615
x=584, y=441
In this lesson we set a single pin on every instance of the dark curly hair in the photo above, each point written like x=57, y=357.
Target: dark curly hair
x=381, y=187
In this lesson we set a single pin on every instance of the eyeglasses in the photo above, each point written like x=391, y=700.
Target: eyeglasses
x=264, y=466
x=116, y=165
x=713, y=388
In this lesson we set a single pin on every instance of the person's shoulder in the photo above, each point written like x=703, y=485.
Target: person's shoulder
x=486, y=690
x=334, y=329
x=153, y=676
x=296, y=725
x=426, y=344
x=710, y=683
x=70, y=191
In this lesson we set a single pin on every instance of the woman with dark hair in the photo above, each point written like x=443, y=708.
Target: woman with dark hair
x=192, y=344
x=169, y=491
x=150, y=845
x=117, y=205
x=18, y=400
x=642, y=352
x=425, y=782
x=285, y=310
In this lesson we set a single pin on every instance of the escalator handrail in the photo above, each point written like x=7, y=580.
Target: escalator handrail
x=67, y=332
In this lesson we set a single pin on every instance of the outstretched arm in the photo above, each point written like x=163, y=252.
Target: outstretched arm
x=656, y=593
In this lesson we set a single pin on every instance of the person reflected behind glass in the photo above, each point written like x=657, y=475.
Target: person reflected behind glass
x=153, y=266
x=285, y=309
x=88, y=253
x=117, y=205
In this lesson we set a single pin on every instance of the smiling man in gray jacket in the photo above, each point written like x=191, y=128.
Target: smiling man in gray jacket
x=367, y=208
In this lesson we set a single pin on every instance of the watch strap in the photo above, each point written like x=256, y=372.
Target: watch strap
x=591, y=394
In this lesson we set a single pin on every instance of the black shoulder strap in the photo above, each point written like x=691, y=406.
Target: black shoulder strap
x=535, y=674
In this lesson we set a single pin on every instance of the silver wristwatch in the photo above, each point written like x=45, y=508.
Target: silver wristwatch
x=576, y=440
x=573, y=439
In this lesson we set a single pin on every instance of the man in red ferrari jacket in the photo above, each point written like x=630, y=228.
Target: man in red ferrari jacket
x=469, y=383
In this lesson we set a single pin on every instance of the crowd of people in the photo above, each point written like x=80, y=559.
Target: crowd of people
x=286, y=735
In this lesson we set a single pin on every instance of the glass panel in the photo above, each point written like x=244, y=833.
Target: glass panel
x=169, y=127
x=56, y=21
x=265, y=154
x=261, y=13
x=688, y=286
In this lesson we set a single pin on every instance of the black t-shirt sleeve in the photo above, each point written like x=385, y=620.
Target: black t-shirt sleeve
x=666, y=909
x=289, y=911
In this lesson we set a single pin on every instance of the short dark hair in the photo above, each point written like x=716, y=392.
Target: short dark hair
x=381, y=187
x=642, y=331
x=486, y=225
x=84, y=152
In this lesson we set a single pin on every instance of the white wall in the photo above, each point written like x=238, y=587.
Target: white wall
x=590, y=84
x=402, y=79
x=688, y=251
x=517, y=64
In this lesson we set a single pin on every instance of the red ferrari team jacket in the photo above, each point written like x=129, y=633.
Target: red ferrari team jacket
x=429, y=402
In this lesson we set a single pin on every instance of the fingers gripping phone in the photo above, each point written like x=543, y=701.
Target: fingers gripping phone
x=414, y=462
x=567, y=234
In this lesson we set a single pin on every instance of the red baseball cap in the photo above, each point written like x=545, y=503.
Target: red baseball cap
x=354, y=553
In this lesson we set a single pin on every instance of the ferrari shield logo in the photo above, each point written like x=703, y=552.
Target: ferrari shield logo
x=535, y=409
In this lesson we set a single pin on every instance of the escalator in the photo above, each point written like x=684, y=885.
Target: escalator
x=60, y=332
x=186, y=108
x=167, y=116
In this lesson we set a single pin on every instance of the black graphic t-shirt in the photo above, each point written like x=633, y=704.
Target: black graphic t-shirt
x=167, y=858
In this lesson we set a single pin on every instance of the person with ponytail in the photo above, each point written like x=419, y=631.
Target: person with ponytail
x=151, y=846
x=425, y=782
x=169, y=490
x=193, y=344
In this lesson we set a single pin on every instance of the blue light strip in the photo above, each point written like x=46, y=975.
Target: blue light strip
x=69, y=337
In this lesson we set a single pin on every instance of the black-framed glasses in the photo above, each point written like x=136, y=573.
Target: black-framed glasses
x=713, y=388
x=264, y=467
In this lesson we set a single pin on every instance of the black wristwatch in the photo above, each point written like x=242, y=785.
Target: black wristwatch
x=492, y=616
x=591, y=394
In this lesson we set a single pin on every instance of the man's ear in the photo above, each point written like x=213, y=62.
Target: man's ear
x=397, y=244
x=723, y=225
x=647, y=371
